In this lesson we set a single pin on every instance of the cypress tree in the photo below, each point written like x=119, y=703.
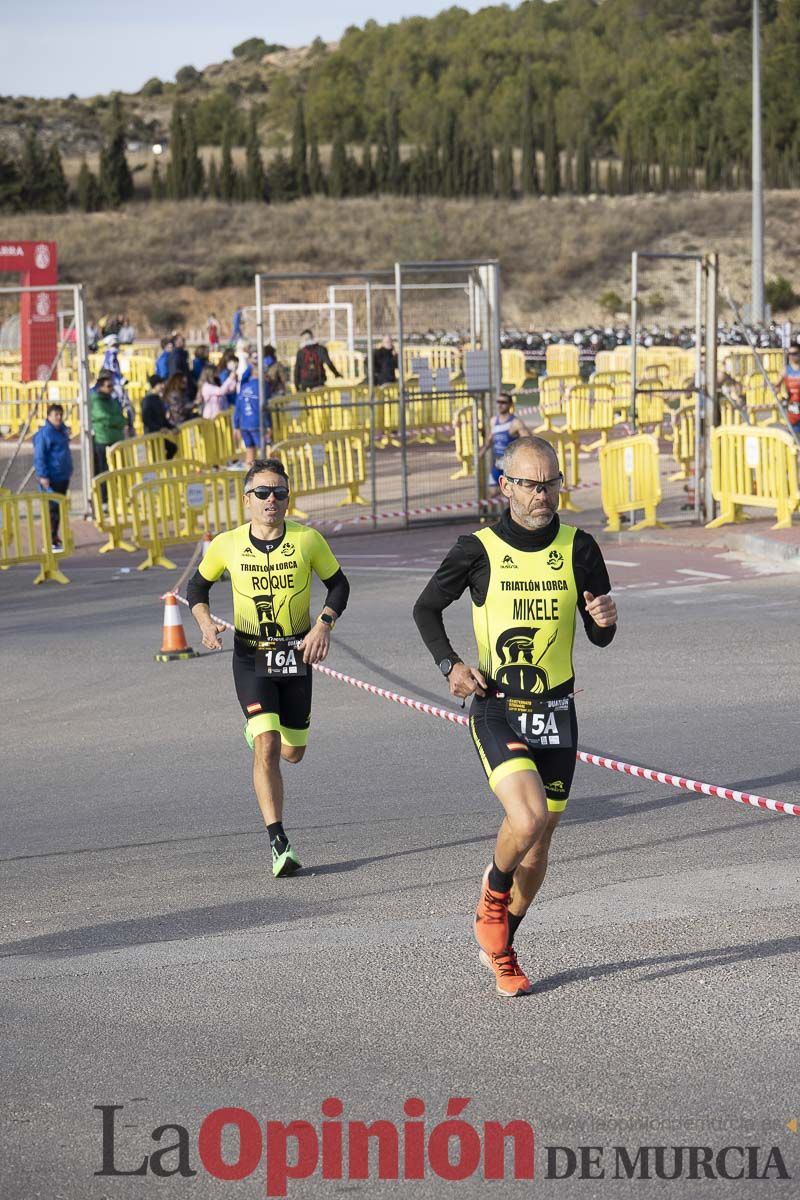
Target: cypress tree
x=552, y=180
x=31, y=172
x=10, y=181
x=213, y=180
x=55, y=183
x=254, y=170
x=116, y=181
x=316, y=176
x=337, y=175
x=227, y=173
x=156, y=182
x=628, y=164
x=300, y=149
x=505, y=170
x=281, y=179
x=393, y=160
x=177, y=188
x=193, y=173
x=87, y=190
x=530, y=173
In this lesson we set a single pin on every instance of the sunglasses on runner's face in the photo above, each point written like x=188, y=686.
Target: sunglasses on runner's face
x=264, y=491
x=536, y=485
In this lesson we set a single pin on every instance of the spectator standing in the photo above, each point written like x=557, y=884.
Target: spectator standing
x=127, y=333
x=108, y=423
x=384, y=363
x=213, y=332
x=246, y=414
x=228, y=365
x=155, y=418
x=120, y=390
x=311, y=363
x=237, y=327
x=274, y=372
x=215, y=395
x=790, y=386
x=199, y=363
x=177, y=400
x=162, y=362
x=52, y=461
x=179, y=361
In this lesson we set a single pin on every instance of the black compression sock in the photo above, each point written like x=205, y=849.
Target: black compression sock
x=500, y=881
x=514, y=923
x=275, y=831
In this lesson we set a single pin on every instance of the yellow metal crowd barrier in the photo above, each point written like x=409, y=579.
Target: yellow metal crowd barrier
x=629, y=480
x=754, y=466
x=464, y=430
x=740, y=363
x=684, y=426
x=590, y=409
x=562, y=360
x=437, y=358
x=350, y=364
x=25, y=532
x=114, y=516
x=553, y=391
x=513, y=369
x=328, y=463
x=169, y=512
x=762, y=407
x=134, y=452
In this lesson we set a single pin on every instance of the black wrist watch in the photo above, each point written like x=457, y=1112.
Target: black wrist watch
x=445, y=666
x=327, y=619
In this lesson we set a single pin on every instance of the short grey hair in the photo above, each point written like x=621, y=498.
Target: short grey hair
x=526, y=443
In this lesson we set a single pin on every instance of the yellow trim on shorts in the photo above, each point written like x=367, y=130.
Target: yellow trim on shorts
x=294, y=737
x=510, y=767
x=557, y=805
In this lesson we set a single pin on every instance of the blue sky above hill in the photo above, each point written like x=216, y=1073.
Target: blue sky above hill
x=50, y=48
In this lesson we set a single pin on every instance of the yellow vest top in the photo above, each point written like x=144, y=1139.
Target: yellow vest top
x=525, y=629
x=271, y=592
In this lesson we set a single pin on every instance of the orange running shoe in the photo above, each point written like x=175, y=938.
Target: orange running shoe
x=510, y=979
x=491, y=919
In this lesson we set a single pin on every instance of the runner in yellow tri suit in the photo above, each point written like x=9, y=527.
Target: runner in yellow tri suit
x=529, y=577
x=270, y=562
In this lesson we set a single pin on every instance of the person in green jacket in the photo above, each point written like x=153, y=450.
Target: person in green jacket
x=108, y=422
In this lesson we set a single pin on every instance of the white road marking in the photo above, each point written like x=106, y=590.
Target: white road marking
x=618, y=562
x=347, y=554
x=704, y=574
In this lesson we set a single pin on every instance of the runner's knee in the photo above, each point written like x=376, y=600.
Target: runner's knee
x=292, y=754
x=267, y=747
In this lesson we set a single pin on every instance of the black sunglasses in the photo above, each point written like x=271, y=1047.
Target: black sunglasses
x=264, y=491
x=536, y=485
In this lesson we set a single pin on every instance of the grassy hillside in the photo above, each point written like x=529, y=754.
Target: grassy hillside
x=557, y=256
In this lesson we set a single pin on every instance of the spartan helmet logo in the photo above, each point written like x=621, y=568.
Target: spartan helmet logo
x=554, y=560
x=518, y=671
x=269, y=627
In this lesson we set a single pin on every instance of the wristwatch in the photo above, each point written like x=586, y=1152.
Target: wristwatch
x=445, y=666
x=327, y=619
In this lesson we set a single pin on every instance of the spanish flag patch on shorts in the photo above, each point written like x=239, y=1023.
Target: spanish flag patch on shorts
x=516, y=746
x=254, y=708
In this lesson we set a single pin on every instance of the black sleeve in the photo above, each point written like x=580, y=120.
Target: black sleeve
x=326, y=358
x=338, y=592
x=591, y=575
x=454, y=575
x=198, y=590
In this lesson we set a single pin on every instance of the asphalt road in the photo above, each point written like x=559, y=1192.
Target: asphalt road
x=151, y=961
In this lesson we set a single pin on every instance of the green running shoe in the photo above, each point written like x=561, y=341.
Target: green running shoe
x=284, y=861
x=248, y=737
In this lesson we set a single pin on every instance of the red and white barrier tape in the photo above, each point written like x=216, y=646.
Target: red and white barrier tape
x=365, y=519
x=593, y=760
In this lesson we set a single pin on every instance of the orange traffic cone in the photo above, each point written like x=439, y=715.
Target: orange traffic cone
x=174, y=644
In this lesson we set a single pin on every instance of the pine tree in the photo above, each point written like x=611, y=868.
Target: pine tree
x=227, y=173
x=193, y=172
x=54, y=184
x=254, y=170
x=487, y=181
x=382, y=162
x=569, y=182
x=583, y=167
x=612, y=181
x=177, y=188
x=337, y=175
x=156, y=182
x=299, y=149
x=451, y=164
x=552, y=180
x=505, y=170
x=316, y=176
x=433, y=184
x=530, y=174
x=116, y=181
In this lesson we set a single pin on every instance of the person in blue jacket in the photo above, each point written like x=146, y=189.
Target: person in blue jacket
x=162, y=362
x=245, y=413
x=52, y=461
